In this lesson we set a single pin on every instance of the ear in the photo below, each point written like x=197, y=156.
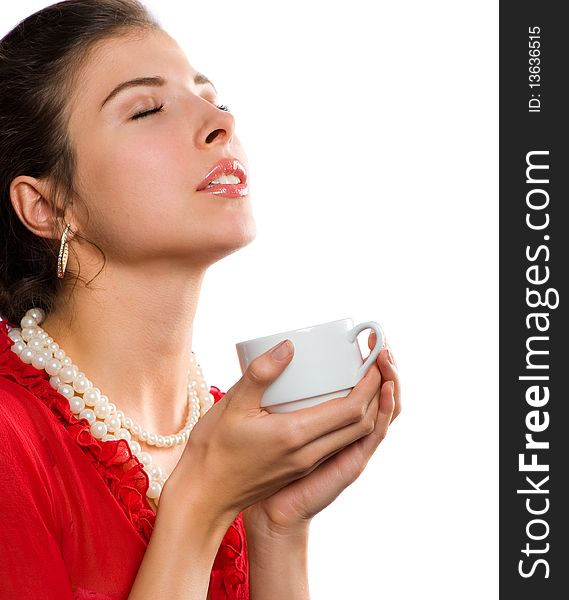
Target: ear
x=30, y=199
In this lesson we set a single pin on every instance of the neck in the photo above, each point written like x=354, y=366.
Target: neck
x=131, y=334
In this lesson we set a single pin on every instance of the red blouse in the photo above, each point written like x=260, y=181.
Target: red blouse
x=75, y=518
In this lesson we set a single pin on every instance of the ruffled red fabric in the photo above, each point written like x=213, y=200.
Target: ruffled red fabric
x=124, y=473
x=230, y=571
x=121, y=470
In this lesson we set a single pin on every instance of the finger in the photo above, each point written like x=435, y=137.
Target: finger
x=388, y=367
x=390, y=372
x=310, y=424
x=325, y=447
x=384, y=415
x=385, y=407
x=385, y=412
x=259, y=374
x=372, y=339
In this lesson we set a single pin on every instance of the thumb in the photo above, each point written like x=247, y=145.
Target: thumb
x=261, y=372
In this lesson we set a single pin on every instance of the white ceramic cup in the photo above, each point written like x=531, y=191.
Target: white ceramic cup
x=327, y=363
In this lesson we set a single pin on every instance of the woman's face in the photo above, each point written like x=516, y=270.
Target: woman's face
x=139, y=177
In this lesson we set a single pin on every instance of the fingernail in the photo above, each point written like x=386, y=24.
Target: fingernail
x=282, y=350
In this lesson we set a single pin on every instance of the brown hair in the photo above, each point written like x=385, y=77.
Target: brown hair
x=39, y=61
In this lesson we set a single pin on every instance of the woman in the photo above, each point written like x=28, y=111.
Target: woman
x=109, y=141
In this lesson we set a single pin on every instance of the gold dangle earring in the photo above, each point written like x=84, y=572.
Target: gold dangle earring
x=63, y=253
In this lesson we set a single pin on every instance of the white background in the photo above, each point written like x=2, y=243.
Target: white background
x=372, y=135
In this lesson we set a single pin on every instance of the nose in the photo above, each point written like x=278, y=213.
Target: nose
x=218, y=127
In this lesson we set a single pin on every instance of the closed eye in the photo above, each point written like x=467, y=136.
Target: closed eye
x=146, y=113
x=160, y=108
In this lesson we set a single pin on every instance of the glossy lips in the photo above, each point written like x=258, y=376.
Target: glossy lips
x=226, y=166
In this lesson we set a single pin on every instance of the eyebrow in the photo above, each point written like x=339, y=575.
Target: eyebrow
x=199, y=79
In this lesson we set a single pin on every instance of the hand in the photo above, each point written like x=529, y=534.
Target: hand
x=293, y=506
x=242, y=454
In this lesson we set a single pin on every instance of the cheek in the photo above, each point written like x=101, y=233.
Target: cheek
x=144, y=178
x=148, y=168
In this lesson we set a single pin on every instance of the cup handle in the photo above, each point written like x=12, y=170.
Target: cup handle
x=353, y=334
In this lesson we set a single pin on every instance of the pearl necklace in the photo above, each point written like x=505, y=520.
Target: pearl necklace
x=36, y=347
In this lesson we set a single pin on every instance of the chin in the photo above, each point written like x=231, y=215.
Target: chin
x=229, y=237
x=236, y=229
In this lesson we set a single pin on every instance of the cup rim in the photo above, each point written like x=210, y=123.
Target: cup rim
x=297, y=329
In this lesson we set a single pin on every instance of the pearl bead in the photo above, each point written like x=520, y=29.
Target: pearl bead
x=154, y=490
x=152, y=438
x=112, y=423
x=156, y=473
x=98, y=429
x=108, y=437
x=39, y=361
x=135, y=447
x=66, y=361
x=120, y=415
x=88, y=414
x=123, y=433
x=145, y=458
x=92, y=396
x=27, y=355
x=68, y=373
x=81, y=384
x=144, y=436
x=128, y=422
x=59, y=354
x=15, y=334
x=54, y=347
x=76, y=405
x=102, y=411
x=55, y=381
x=18, y=347
x=66, y=390
x=36, y=313
x=29, y=332
x=136, y=429
x=35, y=343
